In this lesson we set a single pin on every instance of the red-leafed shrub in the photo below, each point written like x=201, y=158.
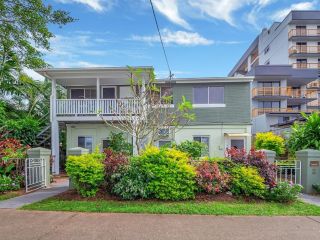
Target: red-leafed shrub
x=12, y=148
x=210, y=179
x=113, y=162
x=255, y=159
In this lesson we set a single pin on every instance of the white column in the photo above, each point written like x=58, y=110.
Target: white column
x=98, y=94
x=55, y=151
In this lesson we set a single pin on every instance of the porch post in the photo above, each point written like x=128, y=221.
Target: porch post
x=54, y=131
x=98, y=95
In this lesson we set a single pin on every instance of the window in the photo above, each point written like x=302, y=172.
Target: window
x=301, y=30
x=266, y=50
x=164, y=131
x=208, y=95
x=105, y=143
x=83, y=93
x=85, y=142
x=204, y=140
x=237, y=143
x=267, y=104
x=166, y=92
x=301, y=47
x=302, y=63
x=162, y=143
x=109, y=92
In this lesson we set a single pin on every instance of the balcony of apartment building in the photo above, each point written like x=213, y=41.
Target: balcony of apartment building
x=304, y=64
x=288, y=110
x=301, y=51
x=314, y=85
x=301, y=33
x=264, y=93
x=314, y=105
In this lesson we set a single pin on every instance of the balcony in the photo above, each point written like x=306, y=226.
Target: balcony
x=306, y=65
x=314, y=104
x=314, y=84
x=87, y=108
x=269, y=91
x=279, y=92
x=259, y=111
x=303, y=33
x=301, y=50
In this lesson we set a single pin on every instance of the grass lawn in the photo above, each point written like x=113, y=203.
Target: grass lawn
x=8, y=195
x=187, y=207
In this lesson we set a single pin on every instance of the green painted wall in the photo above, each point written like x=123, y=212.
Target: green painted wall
x=236, y=97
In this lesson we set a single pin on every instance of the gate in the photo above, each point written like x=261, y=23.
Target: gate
x=35, y=174
x=288, y=171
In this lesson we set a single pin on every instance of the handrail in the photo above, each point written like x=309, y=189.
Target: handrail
x=304, y=33
x=284, y=91
x=304, y=49
x=260, y=111
x=306, y=65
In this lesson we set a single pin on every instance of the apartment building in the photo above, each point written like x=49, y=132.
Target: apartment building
x=221, y=106
x=285, y=62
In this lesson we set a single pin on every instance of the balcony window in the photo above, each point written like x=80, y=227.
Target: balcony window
x=208, y=95
x=108, y=92
x=83, y=93
x=301, y=30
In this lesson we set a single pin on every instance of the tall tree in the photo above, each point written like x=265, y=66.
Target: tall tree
x=24, y=34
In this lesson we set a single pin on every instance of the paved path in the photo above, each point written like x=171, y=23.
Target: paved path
x=311, y=199
x=20, y=224
x=39, y=195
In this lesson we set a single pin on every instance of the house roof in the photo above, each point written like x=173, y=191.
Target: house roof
x=208, y=80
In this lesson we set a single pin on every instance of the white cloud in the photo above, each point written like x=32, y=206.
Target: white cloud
x=281, y=14
x=96, y=5
x=177, y=37
x=170, y=9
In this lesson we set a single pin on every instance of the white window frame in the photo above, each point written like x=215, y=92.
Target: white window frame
x=209, y=105
x=115, y=91
x=84, y=92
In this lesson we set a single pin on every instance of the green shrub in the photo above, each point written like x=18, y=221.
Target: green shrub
x=247, y=181
x=270, y=141
x=193, y=148
x=129, y=182
x=284, y=192
x=86, y=172
x=9, y=184
x=316, y=187
x=305, y=135
x=170, y=175
x=118, y=144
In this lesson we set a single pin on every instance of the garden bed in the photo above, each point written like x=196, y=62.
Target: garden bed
x=12, y=194
x=203, y=205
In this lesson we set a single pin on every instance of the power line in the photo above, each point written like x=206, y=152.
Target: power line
x=164, y=50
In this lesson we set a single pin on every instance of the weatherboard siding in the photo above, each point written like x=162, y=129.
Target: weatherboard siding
x=236, y=98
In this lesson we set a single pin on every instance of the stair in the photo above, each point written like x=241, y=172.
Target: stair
x=43, y=139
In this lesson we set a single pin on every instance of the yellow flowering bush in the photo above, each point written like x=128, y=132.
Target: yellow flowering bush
x=270, y=141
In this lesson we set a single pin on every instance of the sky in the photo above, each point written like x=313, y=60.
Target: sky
x=202, y=38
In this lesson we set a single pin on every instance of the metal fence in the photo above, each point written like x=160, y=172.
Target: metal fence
x=288, y=171
x=35, y=174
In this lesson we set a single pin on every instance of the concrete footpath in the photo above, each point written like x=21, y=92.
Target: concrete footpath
x=311, y=199
x=36, y=196
x=20, y=224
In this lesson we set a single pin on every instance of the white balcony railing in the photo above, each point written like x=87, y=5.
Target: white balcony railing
x=87, y=107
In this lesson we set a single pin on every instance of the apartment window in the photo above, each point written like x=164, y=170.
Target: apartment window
x=270, y=84
x=269, y=104
x=301, y=47
x=266, y=50
x=85, y=142
x=237, y=143
x=302, y=63
x=205, y=141
x=83, y=93
x=208, y=95
x=164, y=143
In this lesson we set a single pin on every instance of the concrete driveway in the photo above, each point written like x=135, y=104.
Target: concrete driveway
x=18, y=224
